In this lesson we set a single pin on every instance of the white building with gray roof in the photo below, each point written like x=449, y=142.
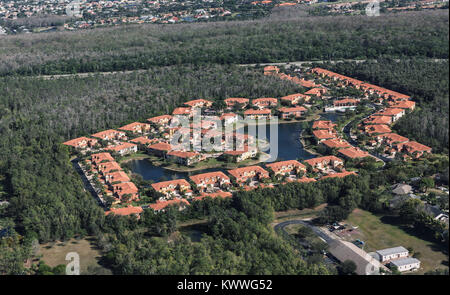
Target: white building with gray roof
x=392, y=253
x=406, y=264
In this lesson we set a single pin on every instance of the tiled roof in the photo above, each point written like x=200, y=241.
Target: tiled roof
x=207, y=177
x=125, y=211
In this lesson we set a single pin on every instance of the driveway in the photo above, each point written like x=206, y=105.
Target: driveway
x=316, y=230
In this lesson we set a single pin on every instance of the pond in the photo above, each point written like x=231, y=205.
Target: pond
x=289, y=148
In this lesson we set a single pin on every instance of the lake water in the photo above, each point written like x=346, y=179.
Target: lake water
x=289, y=148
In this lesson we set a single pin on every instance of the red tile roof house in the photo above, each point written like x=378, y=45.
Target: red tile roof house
x=305, y=83
x=217, y=194
x=143, y=140
x=198, y=103
x=124, y=148
x=321, y=124
x=321, y=134
x=229, y=118
x=81, y=142
x=353, y=153
x=316, y=91
x=163, y=120
x=136, y=127
x=130, y=210
x=322, y=163
x=184, y=158
x=339, y=174
x=413, y=148
x=110, y=135
x=161, y=205
x=346, y=102
x=239, y=155
x=182, y=111
x=391, y=139
x=101, y=157
x=160, y=148
x=250, y=172
x=265, y=102
x=116, y=177
x=230, y=102
x=336, y=143
x=373, y=130
x=271, y=70
x=172, y=187
x=294, y=99
x=295, y=112
x=283, y=167
x=394, y=113
x=383, y=120
x=210, y=180
x=126, y=191
x=108, y=167
x=405, y=104
x=258, y=114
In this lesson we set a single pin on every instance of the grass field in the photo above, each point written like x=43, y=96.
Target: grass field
x=54, y=254
x=378, y=234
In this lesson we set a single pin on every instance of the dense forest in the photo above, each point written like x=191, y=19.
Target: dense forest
x=427, y=83
x=267, y=40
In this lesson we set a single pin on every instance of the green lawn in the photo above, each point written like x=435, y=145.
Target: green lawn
x=378, y=234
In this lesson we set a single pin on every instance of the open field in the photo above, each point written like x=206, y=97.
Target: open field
x=54, y=254
x=378, y=234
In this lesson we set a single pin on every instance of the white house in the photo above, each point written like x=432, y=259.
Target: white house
x=392, y=253
x=406, y=264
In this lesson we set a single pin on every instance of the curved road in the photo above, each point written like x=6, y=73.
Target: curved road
x=316, y=230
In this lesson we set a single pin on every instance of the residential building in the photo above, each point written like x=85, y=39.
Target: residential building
x=172, y=186
x=346, y=102
x=230, y=102
x=322, y=124
x=161, y=205
x=116, y=177
x=245, y=153
x=125, y=211
x=217, y=194
x=110, y=135
x=394, y=113
x=295, y=112
x=184, y=158
x=229, y=118
x=108, y=167
x=384, y=120
x=163, y=120
x=316, y=91
x=210, y=180
x=283, y=167
x=404, y=104
x=136, y=127
x=81, y=142
x=296, y=98
x=392, y=253
x=265, y=102
x=336, y=143
x=160, y=148
x=258, y=114
x=199, y=103
x=101, y=157
x=373, y=130
x=182, y=111
x=125, y=191
x=338, y=174
x=123, y=148
x=325, y=162
x=406, y=264
x=249, y=172
x=143, y=140
x=322, y=134
x=353, y=153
